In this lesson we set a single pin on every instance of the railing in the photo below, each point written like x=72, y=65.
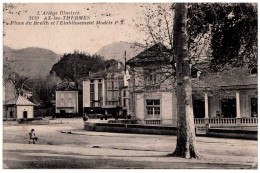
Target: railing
x=222, y=121
x=199, y=120
x=249, y=120
x=226, y=121
x=152, y=122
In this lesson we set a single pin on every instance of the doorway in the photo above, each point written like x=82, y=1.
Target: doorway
x=199, y=108
x=62, y=113
x=228, y=107
x=24, y=114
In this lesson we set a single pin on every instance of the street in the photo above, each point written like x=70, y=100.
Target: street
x=79, y=149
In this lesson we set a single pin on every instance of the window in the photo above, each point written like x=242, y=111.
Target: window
x=124, y=103
x=195, y=73
x=109, y=85
x=116, y=85
x=91, y=81
x=108, y=76
x=112, y=76
x=153, y=81
x=11, y=113
x=92, y=95
x=112, y=85
x=253, y=71
x=153, y=109
x=124, y=93
x=109, y=95
x=92, y=88
x=100, y=91
x=100, y=96
x=254, y=107
x=99, y=80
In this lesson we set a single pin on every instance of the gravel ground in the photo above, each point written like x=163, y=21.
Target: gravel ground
x=81, y=149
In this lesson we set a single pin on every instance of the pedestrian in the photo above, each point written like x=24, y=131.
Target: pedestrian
x=85, y=117
x=32, y=136
x=129, y=116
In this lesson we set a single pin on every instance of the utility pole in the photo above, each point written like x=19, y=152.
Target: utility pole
x=125, y=62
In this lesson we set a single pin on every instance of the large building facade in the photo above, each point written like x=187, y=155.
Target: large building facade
x=152, y=96
x=102, y=91
x=225, y=98
x=229, y=96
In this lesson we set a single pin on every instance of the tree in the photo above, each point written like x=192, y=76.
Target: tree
x=186, y=135
x=72, y=67
x=231, y=30
x=9, y=74
x=228, y=33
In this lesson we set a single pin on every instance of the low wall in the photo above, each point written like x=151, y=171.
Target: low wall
x=122, y=121
x=35, y=121
x=130, y=128
x=169, y=130
x=233, y=133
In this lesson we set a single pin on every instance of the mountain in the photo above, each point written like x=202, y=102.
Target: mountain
x=117, y=50
x=32, y=61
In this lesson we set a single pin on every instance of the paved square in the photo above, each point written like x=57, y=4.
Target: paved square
x=82, y=149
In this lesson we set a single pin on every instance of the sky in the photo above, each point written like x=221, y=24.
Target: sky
x=67, y=38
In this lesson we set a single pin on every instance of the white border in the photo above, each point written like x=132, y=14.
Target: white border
x=107, y=1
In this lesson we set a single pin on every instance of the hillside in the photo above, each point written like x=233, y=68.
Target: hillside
x=32, y=61
x=72, y=67
x=117, y=51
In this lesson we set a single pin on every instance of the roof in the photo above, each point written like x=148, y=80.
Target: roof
x=103, y=74
x=157, y=52
x=66, y=86
x=20, y=101
x=26, y=91
x=232, y=77
x=116, y=67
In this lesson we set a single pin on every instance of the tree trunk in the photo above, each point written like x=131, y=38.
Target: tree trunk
x=186, y=143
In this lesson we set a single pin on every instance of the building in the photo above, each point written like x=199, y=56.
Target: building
x=225, y=98
x=18, y=108
x=66, y=100
x=66, y=103
x=229, y=96
x=125, y=95
x=102, y=91
x=152, y=100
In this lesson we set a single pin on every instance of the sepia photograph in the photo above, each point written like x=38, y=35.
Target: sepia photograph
x=137, y=85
